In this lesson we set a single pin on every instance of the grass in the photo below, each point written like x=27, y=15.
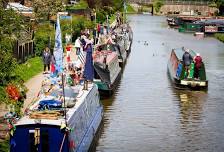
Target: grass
x=220, y=36
x=4, y=146
x=29, y=69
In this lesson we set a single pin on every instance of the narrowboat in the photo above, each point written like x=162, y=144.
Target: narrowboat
x=107, y=71
x=178, y=74
x=51, y=125
x=124, y=33
x=116, y=47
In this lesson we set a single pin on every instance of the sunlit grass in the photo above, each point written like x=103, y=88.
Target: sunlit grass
x=29, y=69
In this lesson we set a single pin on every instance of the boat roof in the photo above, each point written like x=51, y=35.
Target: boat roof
x=180, y=51
x=80, y=98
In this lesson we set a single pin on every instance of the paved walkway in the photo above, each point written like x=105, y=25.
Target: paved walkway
x=34, y=86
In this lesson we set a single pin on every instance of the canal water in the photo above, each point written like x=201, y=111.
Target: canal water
x=146, y=114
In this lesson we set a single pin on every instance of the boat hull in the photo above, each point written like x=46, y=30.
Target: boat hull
x=83, y=122
x=177, y=73
x=106, y=89
x=91, y=132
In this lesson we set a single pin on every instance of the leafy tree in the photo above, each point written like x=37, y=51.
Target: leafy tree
x=92, y=3
x=10, y=27
x=11, y=24
x=220, y=6
x=44, y=9
x=158, y=4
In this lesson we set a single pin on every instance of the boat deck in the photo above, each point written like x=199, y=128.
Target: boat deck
x=60, y=119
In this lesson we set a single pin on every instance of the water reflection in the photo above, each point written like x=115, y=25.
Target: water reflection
x=191, y=107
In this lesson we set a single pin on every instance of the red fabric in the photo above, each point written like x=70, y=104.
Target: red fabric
x=198, y=61
x=68, y=48
x=98, y=27
x=52, y=68
x=68, y=59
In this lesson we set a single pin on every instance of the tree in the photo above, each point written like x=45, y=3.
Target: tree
x=10, y=27
x=220, y=6
x=158, y=4
x=92, y=3
x=46, y=8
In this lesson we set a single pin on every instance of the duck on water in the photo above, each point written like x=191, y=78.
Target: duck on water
x=185, y=70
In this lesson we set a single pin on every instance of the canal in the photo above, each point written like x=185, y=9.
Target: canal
x=147, y=114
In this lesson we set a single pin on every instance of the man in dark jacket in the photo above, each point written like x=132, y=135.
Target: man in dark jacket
x=46, y=58
x=187, y=59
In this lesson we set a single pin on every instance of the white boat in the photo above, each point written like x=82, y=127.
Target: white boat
x=43, y=129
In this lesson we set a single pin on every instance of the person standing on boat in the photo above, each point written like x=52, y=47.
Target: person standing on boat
x=187, y=59
x=46, y=57
x=198, y=63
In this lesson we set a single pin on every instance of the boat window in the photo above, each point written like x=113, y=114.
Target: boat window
x=34, y=139
x=44, y=141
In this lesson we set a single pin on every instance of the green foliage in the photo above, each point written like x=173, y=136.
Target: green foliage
x=4, y=146
x=44, y=9
x=80, y=23
x=158, y=4
x=130, y=9
x=7, y=68
x=220, y=5
x=220, y=36
x=32, y=67
x=3, y=96
x=101, y=16
x=43, y=34
x=118, y=5
x=11, y=24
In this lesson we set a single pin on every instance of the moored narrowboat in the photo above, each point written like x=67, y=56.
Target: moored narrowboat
x=53, y=125
x=182, y=78
x=107, y=71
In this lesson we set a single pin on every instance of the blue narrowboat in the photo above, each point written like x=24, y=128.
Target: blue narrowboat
x=50, y=126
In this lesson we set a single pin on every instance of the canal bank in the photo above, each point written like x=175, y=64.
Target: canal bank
x=146, y=113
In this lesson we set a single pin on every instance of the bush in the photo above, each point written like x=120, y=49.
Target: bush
x=158, y=4
x=220, y=36
x=44, y=36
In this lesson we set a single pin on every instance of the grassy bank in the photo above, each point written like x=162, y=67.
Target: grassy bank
x=220, y=36
x=4, y=146
x=29, y=69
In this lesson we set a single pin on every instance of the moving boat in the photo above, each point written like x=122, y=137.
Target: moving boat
x=178, y=74
x=107, y=72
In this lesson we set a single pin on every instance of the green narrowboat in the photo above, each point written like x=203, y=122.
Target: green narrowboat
x=178, y=74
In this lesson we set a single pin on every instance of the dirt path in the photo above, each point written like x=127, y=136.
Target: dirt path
x=34, y=86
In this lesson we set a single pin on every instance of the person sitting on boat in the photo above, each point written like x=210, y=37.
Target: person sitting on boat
x=198, y=63
x=187, y=59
